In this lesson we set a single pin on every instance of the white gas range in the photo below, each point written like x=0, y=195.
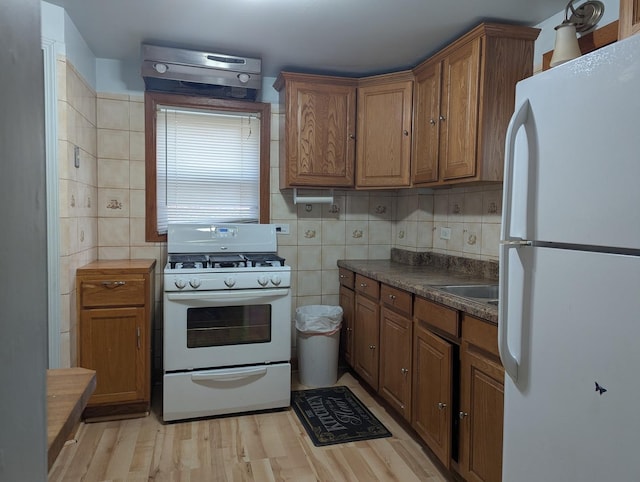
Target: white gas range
x=227, y=321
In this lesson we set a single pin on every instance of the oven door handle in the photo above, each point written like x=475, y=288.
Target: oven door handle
x=230, y=375
x=226, y=295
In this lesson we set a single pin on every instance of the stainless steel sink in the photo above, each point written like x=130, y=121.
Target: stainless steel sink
x=481, y=291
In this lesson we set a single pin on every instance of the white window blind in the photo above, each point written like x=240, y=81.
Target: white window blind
x=208, y=166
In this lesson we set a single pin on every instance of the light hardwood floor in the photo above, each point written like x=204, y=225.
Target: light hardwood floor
x=270, y=446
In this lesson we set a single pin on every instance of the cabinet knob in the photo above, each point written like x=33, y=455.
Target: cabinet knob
x=372, y=347
x=405, y=132
x=462, y=415
x=351, y=136
x=392, y=297
x=342, y=276
x=349, y=328
x=443, y=118
x=432, y=122
x=442, y=406
x=363, y=285
x=404, y=371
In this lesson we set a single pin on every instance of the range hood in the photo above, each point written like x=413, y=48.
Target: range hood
x=224, y=76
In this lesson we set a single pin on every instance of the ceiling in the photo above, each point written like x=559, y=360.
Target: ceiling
x=353, y=37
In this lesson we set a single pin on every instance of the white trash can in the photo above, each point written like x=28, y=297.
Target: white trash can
x=318, y=343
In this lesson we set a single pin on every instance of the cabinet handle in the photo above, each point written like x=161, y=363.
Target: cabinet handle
x=113, y=284
x=363, y=285
x=372, y=347
x=351, y=136
x=138, y=337
x=404, y=371
x=349, y=328
x=462, y=415
x=432, y=122
x=392, y=297
x=442, y=406
x=443, y=118
x=342, y=276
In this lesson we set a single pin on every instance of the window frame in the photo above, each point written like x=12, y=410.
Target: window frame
x=151, y=102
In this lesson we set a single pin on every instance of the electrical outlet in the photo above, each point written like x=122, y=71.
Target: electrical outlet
x=445, y=233
x=282, y=228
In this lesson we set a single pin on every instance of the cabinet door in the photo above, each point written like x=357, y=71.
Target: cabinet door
x=432, y=375
x=320, y=123
x=459, y=111
x=426, y=123
x=384, y=135
x=113, y=344
x=629, y=18
x=347, y=301
x=367, y=329
x=481, y=411
x=395, y=361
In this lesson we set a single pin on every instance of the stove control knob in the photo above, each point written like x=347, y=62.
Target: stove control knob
x=276, y=280
x=180, y=283
x=230, y=282
x=262, y=281
x=195, y=283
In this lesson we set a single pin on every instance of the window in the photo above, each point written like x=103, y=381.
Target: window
x=207, y=160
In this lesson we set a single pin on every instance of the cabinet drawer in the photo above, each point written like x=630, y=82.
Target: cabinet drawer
x=438, y=316
x=112, y=291
x=367, y=286
x=346, y=278
x=396, y=299
x=480, y=333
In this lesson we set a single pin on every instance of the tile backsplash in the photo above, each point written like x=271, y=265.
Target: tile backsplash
x=103, y=209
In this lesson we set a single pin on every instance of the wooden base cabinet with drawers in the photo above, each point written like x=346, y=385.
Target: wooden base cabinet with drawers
x=482, y=402
x=433, y=376
x=347, y=303
x=115, y=305
x=367, y=330
x=396, y=335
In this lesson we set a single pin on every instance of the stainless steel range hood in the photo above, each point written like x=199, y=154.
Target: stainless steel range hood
x=175, y=70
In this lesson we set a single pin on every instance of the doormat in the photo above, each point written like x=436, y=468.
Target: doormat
x=334, y=415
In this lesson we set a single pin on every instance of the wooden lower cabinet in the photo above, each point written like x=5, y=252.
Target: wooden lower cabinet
x=396, y=333
x=347, y=303
x=432, y=391
x=115, y=303
x=482, y=403
x=367, y=339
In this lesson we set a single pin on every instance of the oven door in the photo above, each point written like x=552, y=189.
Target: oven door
x=207, y=329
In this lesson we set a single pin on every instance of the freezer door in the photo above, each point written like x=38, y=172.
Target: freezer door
x=572, y=166
x=572, y=326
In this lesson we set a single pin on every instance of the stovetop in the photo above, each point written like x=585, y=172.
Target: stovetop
x=223, y=256
x=223, y=262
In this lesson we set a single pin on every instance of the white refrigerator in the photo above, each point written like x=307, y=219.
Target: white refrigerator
x=569, y=313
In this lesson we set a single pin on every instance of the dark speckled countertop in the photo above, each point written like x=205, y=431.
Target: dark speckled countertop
x=422, y=276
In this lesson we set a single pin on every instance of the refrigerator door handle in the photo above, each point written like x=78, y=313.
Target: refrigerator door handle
x=517, y=121
x=509, y=361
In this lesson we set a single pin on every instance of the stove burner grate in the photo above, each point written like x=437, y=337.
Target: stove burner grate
x=187, y=260
x=263, y=259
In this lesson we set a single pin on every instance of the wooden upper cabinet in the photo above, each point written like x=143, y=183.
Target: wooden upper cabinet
x=459, y=111
x=464, y=100
x=629, y=18
x=384, y=131
x=317, y=134
x=426, y=122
